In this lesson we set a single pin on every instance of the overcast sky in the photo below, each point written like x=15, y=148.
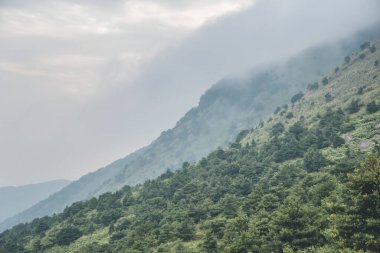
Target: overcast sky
x=83, y=83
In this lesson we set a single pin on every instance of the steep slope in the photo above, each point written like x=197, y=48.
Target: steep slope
x=307, y=180
x=15, y=199
x=228, y=107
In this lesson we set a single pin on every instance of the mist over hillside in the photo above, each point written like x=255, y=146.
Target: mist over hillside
x=305, y=180
x=231, y=105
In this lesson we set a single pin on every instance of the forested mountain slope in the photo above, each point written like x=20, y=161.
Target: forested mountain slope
x=306, y=180
x=231, y=105
x=15, y=199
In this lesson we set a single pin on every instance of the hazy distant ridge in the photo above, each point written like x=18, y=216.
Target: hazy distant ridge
x=15, y=199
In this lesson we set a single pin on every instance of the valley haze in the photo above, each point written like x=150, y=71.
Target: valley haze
x=84, y=83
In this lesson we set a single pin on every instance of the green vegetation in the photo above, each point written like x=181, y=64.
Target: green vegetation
x=297, y=97
x=361, y=90
x=309, y=183
x=372, y=107
x=328, y=97
x=268, y=199
x=325, y=81
x=229, y=106
x=313, y=86
x=353, y=107
x=365, y=45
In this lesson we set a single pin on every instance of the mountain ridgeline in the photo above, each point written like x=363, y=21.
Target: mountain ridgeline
x=305, y=180
x=231, y=105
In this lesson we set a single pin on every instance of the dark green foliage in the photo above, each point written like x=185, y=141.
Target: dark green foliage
x=314, y=160
x=336, y=70
x=347, y=59
x=109, y=216
x=372, y=107
x=41, y=225
x=325, y=81
x=372, y=49
x=328, y=97
x=376, y=63
x=184, y=230
x=313, y=86
x=338, y=141
x=297, y=130
x=277, y=129
x=361, y=90
x=365, y=45
x=289, y=115
x=362, y=56
x=241, y=135
x=185, y=165
x=278, y=109
x=360, y=224
x=210, y=244
x=354, y=107
x=347, y=127
x=300, y=225
x=234, y=200
x=67, y=235
x=297, y=97
x=298, y=139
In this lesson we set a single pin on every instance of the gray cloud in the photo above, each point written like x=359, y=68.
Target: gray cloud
x=85, y=82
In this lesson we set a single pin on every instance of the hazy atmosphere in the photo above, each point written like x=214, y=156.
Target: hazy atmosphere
x=83, y=83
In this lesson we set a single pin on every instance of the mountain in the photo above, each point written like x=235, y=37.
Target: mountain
x=305, y=180
x=229, y=106
x=15, y=199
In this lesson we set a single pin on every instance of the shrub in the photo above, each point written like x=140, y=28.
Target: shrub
x=372, y=107
x=361, y=90
x=347, y=59
x=365, y=45
x=209, y=243
x=376, y=63
x=109, y=216
x=362, y=56
x=372, y=49
x=242, y=135
x=296, y=97
x=314, y=160
x=289, y=115
x=313, y=86
x=328, y=97
x=278, y=109
x=336, y=70
x=347, y=127
x=67, y=235
x=325, y=81
x=277, y=129
x=338, y=141
x=354, y=107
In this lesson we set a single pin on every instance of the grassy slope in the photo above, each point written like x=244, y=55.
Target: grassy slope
x=344, y=86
